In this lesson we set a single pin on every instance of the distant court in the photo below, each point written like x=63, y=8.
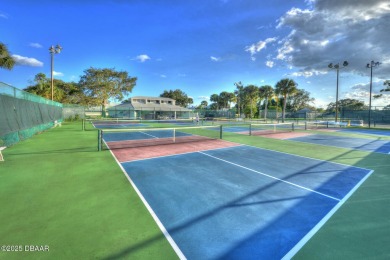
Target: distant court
x=363, y=144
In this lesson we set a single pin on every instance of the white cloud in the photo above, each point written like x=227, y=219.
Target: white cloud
x=58, y=74
x=308, y=73
x=26, y=61
x=215, y=58
x=334, y=31
x=361, y=91
x=163, y=76
x=204, y=98
x=3, y=15
x=269, y=63
x=257, y=47
x=142, y=57
x=35, y=45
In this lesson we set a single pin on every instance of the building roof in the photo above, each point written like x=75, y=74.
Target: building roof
x=165, y=104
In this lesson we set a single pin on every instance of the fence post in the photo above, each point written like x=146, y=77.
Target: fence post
x=100, y=137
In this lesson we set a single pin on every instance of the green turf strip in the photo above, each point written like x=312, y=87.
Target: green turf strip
x=57, y=190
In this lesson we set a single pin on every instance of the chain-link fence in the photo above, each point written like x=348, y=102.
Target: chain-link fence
x=24, y=114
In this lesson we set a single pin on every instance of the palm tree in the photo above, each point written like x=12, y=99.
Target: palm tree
x=267, y=92
x=203, y=104
x=215, y=98
x=285, y=87
x=6, y=60
x=252, y=94
x=261, y=97
x=238, y=92
x=224, y=98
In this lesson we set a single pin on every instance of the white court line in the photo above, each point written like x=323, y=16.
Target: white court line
x=291, y=183
x=301, y=156
x=322, y=222
x=151, y=211
x=148, y=134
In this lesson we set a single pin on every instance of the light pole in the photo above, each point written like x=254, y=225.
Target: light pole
x=337, y=68
x=370, y=66
x=53, y=50
x=239, y=87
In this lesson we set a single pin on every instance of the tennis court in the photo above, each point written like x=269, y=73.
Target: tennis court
x=237, y=197
x=366, y=131
x=218, y=199
x=363, y=144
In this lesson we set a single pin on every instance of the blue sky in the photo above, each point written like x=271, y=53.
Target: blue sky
x=202, y=47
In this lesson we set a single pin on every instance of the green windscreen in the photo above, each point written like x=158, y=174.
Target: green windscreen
x=23, y=114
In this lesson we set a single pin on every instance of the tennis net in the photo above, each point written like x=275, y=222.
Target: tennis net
x=324, y=125
x=119, y=123
x=132, y=138
x=266, y=129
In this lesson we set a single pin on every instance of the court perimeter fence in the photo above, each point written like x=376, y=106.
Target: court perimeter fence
x=23, y=114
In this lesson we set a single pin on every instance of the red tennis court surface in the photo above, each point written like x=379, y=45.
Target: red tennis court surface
x=139, y=153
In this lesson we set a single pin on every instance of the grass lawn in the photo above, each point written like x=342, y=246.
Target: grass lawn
x=57, y=190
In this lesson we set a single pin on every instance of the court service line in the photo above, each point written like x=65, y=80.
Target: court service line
x=148, y=134
x=270, y=176
x=151, y=211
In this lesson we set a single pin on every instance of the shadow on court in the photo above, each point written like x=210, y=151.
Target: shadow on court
x=254, y=245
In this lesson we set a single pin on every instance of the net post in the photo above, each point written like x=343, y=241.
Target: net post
x=293, y=127
x=100, y=136
x=220, y=132
x=327, y=124
x=83, y=124
x=250, y=129
x=174, y=135
x=305, y=125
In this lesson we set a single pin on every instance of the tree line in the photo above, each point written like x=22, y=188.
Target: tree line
x=97, y=86
x=251, y=99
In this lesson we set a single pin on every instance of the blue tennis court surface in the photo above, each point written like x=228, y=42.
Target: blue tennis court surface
x=242, y=202
x=367, y=131
x=370, y=145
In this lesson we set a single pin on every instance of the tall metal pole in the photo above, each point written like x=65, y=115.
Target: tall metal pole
x=369, y=104
x=337, y=68
x=51, y=75
x=371, y=65
x=337, y=95
x=53, y=50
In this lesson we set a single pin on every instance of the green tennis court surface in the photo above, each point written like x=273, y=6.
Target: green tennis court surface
x=57, y=190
